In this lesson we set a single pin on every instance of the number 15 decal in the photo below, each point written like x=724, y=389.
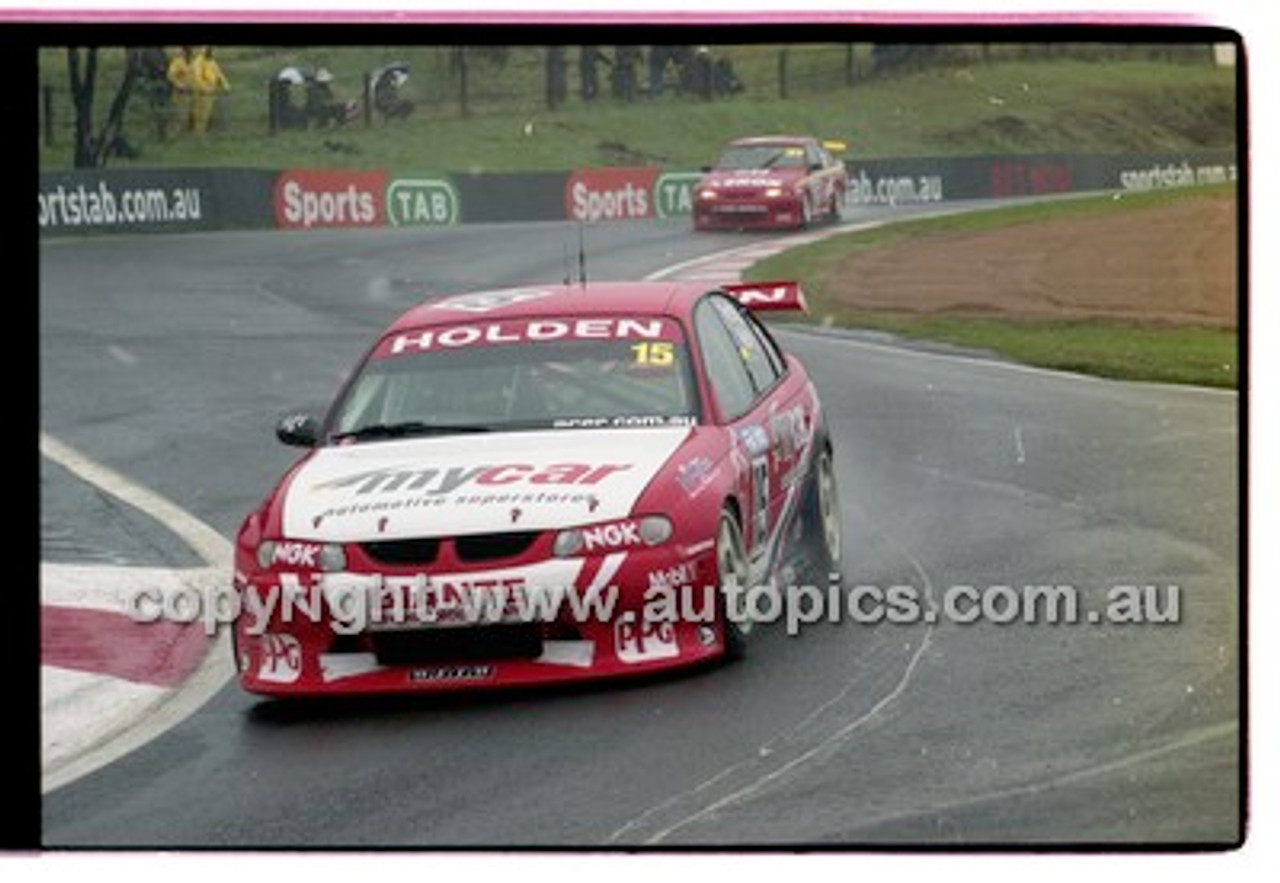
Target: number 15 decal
x=658, y=354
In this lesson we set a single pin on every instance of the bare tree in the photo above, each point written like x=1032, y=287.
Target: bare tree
x=91, y=151
x=82, y=85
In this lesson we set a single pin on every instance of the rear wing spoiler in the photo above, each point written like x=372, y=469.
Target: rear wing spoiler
x=768, y=296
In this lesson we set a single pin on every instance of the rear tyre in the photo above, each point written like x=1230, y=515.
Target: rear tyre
x=830, y=523
x=733, y=573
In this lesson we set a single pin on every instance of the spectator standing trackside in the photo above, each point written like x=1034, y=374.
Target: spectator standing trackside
x=589, y=57
x=623, y=76
x=180, y=73
x=557, y=76
x=696, y=73
x=658, y=58
x=207, y=81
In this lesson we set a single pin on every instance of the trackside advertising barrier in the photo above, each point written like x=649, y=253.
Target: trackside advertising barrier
x=156, y=201
x=908, y=182
x=181, y=200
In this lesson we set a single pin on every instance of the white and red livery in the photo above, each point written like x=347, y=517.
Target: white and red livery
x=540, y=485
x=771, y=182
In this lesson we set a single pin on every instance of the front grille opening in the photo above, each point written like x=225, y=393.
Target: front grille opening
x=347, y=644
x=491, y=546
x=418, y=550
x=417, y=646
x=561, y=631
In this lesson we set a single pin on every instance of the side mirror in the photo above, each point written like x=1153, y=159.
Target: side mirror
x=299, y=431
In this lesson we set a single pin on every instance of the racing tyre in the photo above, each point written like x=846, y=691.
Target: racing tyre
x=835, y=209
x=828, y=514
x=806, y=212
x=733, y=573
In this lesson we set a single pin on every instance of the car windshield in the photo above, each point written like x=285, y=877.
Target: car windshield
x=761, y=156
x=509, y=375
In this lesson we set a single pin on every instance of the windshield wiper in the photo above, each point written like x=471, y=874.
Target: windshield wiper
x=407, y=428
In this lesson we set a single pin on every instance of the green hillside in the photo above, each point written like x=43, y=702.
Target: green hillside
x=964, y=100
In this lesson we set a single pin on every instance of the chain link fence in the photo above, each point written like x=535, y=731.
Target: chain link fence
x=274, y=90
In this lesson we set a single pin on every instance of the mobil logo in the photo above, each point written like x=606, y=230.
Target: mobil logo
x=611, y=194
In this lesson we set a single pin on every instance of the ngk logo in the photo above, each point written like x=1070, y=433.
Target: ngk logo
x=296, y=554
x=612, y=536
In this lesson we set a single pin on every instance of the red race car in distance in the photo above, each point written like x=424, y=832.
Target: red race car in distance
x=540, y=485
x=773, y=182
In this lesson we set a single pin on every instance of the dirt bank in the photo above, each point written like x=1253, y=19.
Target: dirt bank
x=1170, y=264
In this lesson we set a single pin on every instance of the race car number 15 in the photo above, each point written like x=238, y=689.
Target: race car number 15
x=658, y=354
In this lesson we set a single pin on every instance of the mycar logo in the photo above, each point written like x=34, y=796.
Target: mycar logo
x=448, y=479
x=305, y=199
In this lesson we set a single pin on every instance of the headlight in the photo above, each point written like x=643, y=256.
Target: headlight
x=333, y=557
x=568, y=543
x=655, y=529
x=649, y=530
x=773, y=192
x=707, y=193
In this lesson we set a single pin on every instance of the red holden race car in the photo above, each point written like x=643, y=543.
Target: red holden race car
x=771, y=182
x=540, y=485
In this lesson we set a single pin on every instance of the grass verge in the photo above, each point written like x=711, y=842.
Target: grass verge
x=1193, y=355
x=1038, y=104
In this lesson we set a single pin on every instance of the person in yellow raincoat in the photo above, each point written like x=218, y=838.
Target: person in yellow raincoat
x=179, y=74
x=207, y=80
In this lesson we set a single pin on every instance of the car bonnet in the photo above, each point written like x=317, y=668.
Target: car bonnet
x=469, y=484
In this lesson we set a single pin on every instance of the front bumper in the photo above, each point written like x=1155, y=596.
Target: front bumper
x=601, y=626
x=742, y=213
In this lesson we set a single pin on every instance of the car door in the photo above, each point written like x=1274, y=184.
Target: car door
x=819, y=179
x=786, y=404
x=757, y=399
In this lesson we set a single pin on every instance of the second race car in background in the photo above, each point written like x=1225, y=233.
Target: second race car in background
x=771, y=182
